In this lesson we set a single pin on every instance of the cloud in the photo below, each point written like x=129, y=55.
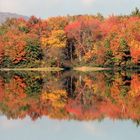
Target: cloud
x=8, y=124
x=88, y=2
x=93, y=128
x=5, y=5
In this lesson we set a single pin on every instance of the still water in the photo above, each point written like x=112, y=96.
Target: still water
x=70, y=105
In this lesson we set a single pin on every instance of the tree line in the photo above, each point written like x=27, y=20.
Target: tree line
x=70, y=41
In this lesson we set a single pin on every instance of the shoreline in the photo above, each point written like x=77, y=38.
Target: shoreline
x=32, y=69
x=86, y=69
x=83, y=68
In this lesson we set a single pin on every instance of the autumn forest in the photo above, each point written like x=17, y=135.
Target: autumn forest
x=69, y=41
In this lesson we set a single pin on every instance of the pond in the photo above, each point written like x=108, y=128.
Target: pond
x=70, y=105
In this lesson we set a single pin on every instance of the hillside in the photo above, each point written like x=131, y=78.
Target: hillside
x=4, y=16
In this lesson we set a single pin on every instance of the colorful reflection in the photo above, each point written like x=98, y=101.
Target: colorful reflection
x=71, y=95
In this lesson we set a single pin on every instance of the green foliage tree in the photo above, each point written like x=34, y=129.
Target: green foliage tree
x=136, y=12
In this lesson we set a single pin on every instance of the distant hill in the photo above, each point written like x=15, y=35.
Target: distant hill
x=5, y=15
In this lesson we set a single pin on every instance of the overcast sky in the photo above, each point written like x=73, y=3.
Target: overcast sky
x=47, y=8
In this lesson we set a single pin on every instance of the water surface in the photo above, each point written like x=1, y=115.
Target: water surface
x=69, y=105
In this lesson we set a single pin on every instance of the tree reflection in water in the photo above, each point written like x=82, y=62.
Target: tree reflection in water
x=70, y=95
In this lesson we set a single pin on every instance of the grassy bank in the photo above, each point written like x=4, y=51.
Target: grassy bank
x=32, y=69
x=84, y=68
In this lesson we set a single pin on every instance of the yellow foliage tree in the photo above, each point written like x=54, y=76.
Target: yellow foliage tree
x=57, y=97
